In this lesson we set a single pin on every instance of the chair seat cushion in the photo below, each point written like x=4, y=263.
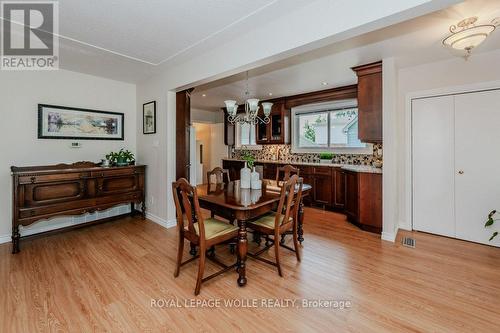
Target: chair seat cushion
x=215, y=228
x=267, y=220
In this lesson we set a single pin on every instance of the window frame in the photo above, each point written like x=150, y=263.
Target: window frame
x=324, y=108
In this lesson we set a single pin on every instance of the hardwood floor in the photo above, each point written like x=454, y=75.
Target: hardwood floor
x=103, y=278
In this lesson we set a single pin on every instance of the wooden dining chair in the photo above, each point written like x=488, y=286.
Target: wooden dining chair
x=221, y=176
x=204, y=233
x=284, y=219
x=287, y=171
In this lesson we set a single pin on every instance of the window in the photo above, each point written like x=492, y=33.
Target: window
x=327, y=127
x=245, y=136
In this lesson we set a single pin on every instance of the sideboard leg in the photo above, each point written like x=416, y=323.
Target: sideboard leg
x=143, y=210
x=15, y=239
x=132, y=209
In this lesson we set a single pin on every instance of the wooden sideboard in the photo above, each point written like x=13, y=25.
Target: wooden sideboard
x=43, y=192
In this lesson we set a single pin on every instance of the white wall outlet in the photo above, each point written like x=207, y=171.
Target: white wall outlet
x=151, y=200
x=75, y=145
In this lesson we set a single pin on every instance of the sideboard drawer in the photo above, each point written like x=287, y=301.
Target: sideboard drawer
x=116, y=172
x=40, y=178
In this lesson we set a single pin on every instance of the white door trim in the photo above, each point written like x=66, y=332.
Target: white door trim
x=407, y=223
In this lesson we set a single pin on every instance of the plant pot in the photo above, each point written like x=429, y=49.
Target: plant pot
x=325, y=161
x=121, y=161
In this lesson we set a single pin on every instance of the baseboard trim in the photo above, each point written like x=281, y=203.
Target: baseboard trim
x=389, y=236
x=5, y=239
x=167, y=224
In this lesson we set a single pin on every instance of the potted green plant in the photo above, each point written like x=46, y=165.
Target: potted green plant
x=490, y=221
x=249, y=158
x=121, y=158
x=325, y=157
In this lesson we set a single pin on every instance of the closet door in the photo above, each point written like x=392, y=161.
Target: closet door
x=477, y=166
x=433, y=165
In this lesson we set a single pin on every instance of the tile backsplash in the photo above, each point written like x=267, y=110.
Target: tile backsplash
x=284, y=153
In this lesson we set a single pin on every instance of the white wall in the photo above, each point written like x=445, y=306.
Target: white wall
x=219, y=149
x=20, y=92
x=454, y=75
x=204, y=116
x=312, y=27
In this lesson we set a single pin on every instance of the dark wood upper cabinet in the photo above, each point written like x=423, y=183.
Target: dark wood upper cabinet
x=369, y=102
x=229, y=131
x=277, y=131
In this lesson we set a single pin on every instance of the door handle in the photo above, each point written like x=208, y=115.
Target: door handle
x=460, y=172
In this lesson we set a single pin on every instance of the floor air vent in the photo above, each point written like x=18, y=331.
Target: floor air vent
x=408, y=242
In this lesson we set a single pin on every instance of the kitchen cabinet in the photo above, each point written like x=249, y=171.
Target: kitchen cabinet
x=338, y=185
x=269, y=170
x=351, y=195
x=363, y=200
x=322, y=185
x=229, y=131
x=369, y=102
x=233, y=167
x=277, y=130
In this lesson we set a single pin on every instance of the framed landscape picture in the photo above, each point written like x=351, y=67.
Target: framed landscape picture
x=149, y=118
x=61, y=122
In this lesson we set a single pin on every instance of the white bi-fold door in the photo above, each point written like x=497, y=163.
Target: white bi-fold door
x=456, y=164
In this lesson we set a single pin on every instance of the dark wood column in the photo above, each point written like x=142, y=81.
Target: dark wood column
x=183, y=121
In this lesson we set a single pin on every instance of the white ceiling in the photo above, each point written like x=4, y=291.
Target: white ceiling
x=413, y=42
x=129, y=40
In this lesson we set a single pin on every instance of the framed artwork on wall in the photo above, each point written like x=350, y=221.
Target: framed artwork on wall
x=62, y=122
x=149, y=118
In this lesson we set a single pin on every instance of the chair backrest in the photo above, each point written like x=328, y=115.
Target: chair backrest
x=186, y=204
x=287, y=197
x=221, y=175
x=287, y=171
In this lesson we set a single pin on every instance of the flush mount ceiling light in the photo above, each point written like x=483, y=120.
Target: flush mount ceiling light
x=466, y=35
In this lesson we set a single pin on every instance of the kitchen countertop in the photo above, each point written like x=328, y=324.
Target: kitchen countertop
x=348, y=167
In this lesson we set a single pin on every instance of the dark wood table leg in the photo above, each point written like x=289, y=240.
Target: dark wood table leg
x=242, y=253
x=300, y=230
x=15, y=239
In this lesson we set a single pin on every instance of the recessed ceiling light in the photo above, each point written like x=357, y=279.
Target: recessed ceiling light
x=203, y=95
x=270, y=94
x=324, y=83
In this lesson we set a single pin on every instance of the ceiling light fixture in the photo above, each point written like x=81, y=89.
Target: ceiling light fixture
x=466, y=35
x=251, y=110
x=270, y=94
x=324, y=83
x=204, y=95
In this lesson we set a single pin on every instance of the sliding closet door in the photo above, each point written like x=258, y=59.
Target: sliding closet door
x=477, y=172
x=433, y=165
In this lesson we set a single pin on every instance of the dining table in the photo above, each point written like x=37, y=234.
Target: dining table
x=231, y=202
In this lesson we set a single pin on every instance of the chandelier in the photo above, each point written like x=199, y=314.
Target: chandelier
x=466, y=35
x=251, y=110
